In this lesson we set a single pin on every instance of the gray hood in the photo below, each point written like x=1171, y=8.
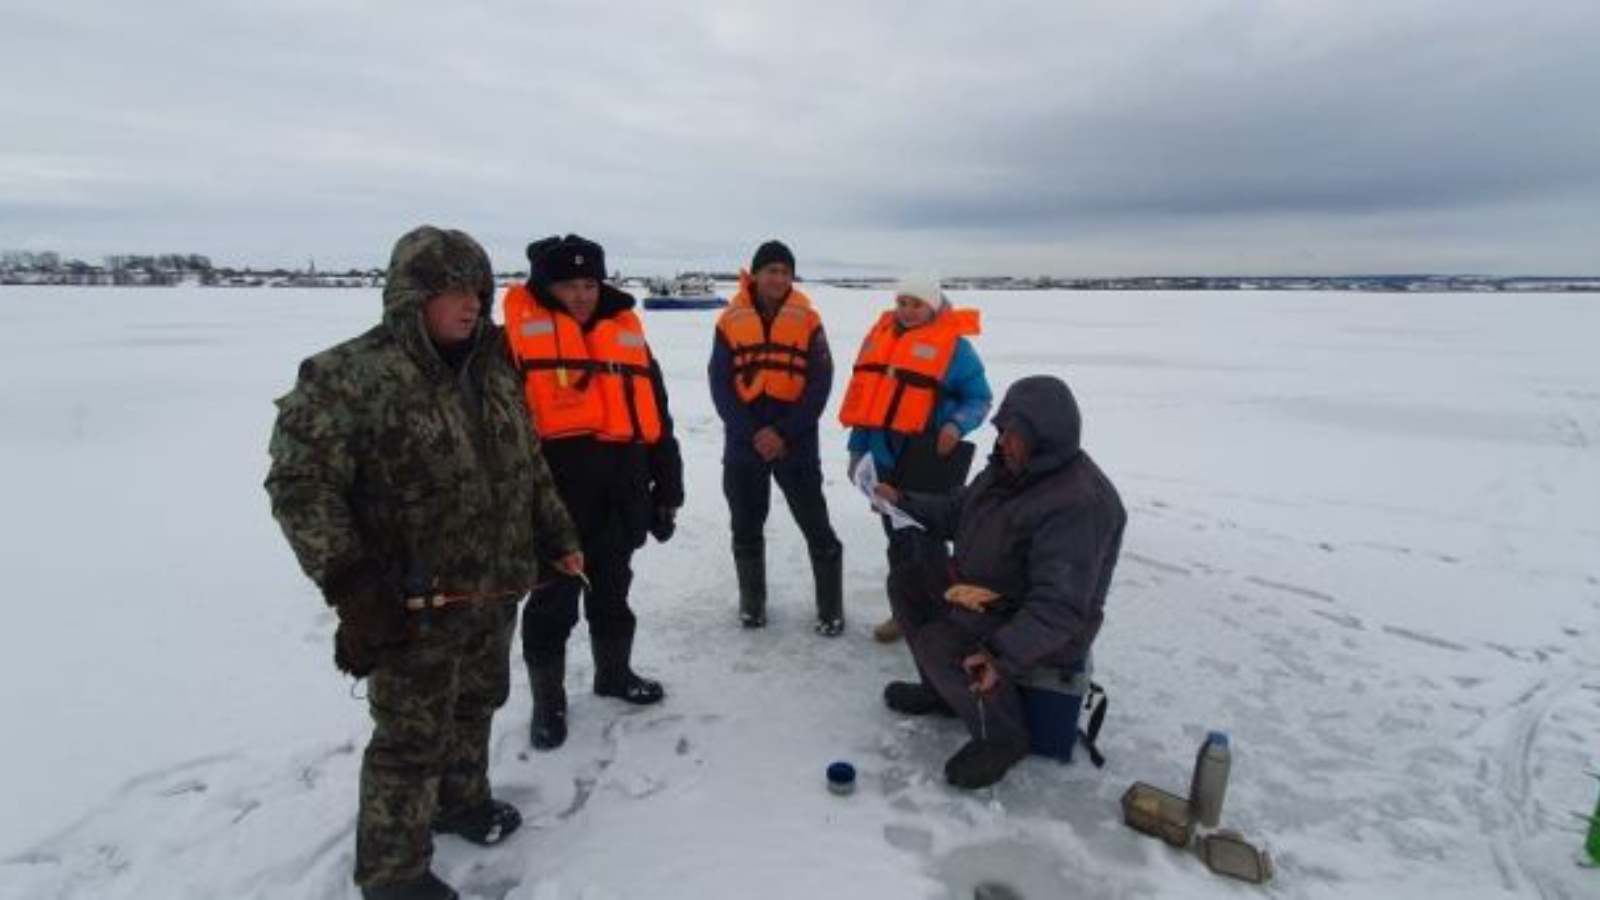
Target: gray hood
x=1042, y=409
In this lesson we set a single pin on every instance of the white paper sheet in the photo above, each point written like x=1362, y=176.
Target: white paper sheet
x=865, y=477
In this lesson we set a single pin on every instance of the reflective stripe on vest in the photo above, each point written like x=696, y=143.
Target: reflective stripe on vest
x=896, y=381
x=769, y=359
x=583, y=383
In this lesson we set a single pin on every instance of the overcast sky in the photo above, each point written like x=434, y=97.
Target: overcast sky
x=1071, y=138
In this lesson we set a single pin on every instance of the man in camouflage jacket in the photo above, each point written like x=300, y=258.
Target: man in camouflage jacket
x=403, y=466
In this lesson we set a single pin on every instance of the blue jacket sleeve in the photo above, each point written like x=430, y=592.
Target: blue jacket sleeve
x=804, y=413
x=858, y=441
x=736, y=418
x=966, y=390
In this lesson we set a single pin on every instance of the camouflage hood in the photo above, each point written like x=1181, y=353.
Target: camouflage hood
x=427, y=262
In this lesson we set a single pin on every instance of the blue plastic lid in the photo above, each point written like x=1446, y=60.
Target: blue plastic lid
x=1217, y=737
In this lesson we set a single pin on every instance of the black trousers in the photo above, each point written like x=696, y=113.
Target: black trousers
x=552, y=611
x=939, y=646
x=748, y=488
x=919, y=571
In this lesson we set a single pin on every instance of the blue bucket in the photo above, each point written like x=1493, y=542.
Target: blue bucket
x=1051, y=711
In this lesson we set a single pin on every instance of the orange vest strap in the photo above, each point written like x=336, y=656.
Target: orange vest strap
x=769, y=357
x=586, y=365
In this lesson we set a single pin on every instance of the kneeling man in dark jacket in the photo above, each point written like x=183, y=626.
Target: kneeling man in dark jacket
x=1036, y=539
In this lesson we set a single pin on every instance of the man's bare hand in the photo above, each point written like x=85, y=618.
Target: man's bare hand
x=949, y=437
x=888, y=493
x=769, y=444
x=571, y=565
x=982, y=673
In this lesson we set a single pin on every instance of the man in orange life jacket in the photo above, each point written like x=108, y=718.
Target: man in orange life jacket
x=916, y=378
x=770, y=373
x=600, y=407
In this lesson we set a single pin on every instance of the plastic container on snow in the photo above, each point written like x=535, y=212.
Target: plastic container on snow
x=841, y=778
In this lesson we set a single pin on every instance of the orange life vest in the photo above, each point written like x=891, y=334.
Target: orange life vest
x=769, y=358
x=583, y=383
x=895, y=384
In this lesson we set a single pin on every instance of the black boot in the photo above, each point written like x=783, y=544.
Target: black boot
x=914, y=698
x=613, y=677
x=485, y=825
x=751, y=565
x=427, y=887
x=981, y=763
x=547, y=673
x=827, y=570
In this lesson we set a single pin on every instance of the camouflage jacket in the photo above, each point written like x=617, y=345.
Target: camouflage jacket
x=383, y=456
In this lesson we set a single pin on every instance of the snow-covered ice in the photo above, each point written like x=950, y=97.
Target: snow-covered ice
x=1362, y=539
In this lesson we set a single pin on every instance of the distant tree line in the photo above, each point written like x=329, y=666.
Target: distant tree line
x=49, y=268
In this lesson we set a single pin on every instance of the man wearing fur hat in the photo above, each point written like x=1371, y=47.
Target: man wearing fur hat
x=599, y=404
x=770, y=374
x=916, y=380
x=1036, y=538
x=404, y=473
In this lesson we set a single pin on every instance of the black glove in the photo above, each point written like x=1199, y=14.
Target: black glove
x=663, y=523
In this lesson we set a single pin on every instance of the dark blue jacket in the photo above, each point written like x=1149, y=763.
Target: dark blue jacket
x=796, y=422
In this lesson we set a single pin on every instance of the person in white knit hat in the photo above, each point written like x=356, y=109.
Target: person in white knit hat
x=916, y=379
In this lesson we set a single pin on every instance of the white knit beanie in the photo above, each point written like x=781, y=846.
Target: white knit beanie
x=922, y=285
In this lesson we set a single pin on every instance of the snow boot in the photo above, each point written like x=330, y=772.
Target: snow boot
x=427, y=887
x=914, y=698
x=827, y=570
x=751, y=567
x=981, y=763
x=887, y=631
x=485, y=825
x=547, y=675
x=614, y=677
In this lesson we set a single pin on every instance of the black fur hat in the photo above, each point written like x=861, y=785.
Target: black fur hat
x=554, y=259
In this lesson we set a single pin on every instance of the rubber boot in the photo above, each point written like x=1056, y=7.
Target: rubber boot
x=980, y=763
x=427, y=886
x=547, y=673
x=751, y=566
x=827, y=570
x=614, y=677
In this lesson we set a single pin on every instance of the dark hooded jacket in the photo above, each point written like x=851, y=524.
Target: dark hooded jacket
x=393, y=464
x=608, y=484
x=1046, y=539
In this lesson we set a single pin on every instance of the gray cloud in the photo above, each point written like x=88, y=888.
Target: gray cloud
x=1225, y=135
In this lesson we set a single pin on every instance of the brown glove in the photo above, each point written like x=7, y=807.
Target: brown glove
x=372, y=615
x=970, y=596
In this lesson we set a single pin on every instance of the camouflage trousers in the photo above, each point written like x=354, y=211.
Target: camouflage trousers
x=432, y=702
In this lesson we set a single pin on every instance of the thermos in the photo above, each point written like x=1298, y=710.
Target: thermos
x=1210, y=783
